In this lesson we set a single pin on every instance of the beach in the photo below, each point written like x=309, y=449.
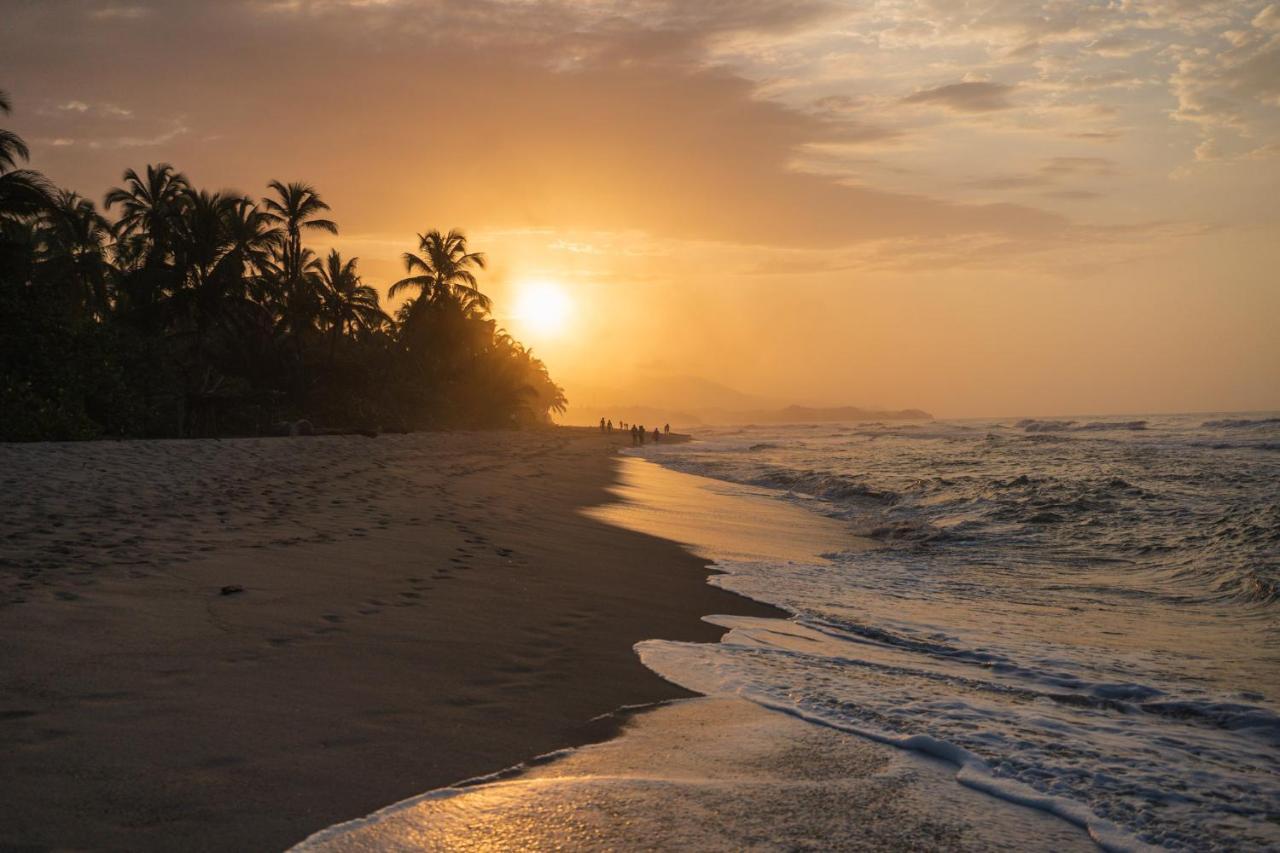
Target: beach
x=234, y=644
x=529, y=639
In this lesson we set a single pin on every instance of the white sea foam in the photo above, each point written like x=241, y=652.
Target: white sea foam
x=1086, y=624
x=714, y=775
x=1082, y=621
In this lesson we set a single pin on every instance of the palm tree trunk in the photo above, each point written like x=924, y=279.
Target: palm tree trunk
x=333, y=343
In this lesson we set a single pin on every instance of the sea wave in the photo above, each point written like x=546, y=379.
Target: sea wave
x=1033, y=425
x=1241, y=423
x=1094, y=619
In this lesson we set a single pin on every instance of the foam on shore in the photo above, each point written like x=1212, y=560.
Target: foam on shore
x=710, y=774
x=744, y=775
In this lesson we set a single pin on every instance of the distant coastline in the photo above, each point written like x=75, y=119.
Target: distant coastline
x=724, y=417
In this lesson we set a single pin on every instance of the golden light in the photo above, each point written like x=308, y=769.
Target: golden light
x=542, y=308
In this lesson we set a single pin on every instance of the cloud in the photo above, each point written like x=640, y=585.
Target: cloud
x=118, y=11
x=81, y=108
x=1071, y=166
x=675, y=116
x=1072, y=195
x=968, y=97
x=1052, y=171
x=1119, y=45
x=1096, y=135
x=498, y=115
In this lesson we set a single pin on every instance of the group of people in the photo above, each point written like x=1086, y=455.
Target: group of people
x=638, y=432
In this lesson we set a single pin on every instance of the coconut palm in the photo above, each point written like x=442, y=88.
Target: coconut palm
x=12, y=149
x=296, y=209
x=74, y=238
x=150, y=210
x=199, y=312
x=23, y=192
x=254, y=238
x=347, y=302
x=444, y=272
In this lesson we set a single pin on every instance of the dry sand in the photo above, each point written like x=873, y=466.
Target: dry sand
x=416, y=610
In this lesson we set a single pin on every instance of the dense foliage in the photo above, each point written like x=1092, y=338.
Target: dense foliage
x=191, y=313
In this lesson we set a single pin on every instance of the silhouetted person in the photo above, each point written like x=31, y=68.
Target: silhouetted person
x=602, y=424
x=610, y=427
x=635, y=439
x=667, y=429
x=640, y=429
x=656, y=435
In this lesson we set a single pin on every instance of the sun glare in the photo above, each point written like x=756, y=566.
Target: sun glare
x=542, y=308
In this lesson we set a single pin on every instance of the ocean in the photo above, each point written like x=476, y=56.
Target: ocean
x=1081, y=614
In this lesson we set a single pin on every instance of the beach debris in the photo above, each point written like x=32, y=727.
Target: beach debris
x=232, y=589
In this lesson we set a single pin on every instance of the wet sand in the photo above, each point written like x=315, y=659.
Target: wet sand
x=745, y=779
x=415, y=610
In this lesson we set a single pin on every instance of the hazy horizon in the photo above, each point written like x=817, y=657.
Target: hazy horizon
x=962, y=208
x=589, y=410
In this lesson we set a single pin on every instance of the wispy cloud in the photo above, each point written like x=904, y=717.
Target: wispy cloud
x=967, y=97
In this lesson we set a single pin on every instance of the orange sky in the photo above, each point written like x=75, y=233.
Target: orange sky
x=974, y=208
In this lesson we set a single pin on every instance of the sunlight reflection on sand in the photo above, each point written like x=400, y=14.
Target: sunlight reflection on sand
x=712, y=517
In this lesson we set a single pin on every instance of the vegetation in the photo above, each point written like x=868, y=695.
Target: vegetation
x=196, y=313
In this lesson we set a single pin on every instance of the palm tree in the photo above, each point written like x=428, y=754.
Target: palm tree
x=150, y=209
x=296, y=210
x=23, y=192
x=254, y=237
x=348, y=303
x=444, y=272
x=74, y=237
x=12, y=149
x=197, y=311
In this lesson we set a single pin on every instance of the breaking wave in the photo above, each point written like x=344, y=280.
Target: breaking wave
x=1090, y=610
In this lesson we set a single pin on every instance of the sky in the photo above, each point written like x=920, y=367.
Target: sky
x=979, y=207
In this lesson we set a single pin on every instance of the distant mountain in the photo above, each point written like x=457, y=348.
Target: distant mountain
x=813, y=415
x=674, y=392
x=693, y=400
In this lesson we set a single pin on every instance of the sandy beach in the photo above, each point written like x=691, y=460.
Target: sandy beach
x=745, y=779
x=415, y=610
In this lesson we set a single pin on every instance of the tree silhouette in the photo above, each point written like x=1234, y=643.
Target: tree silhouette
x=347, y=303
x=23, y=192
x=202, y=313
x=444, y=272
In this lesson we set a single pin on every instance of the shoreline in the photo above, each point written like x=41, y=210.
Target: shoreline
x=417, y=610
x=749, y=774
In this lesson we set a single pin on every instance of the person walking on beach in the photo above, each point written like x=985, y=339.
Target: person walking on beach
x=610, y=427
x=667, y=429
x=640, y=431
x=602, y=424
x=634, y=439
x=656, y=435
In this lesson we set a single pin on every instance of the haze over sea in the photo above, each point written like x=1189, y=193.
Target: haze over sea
x=1081, y=613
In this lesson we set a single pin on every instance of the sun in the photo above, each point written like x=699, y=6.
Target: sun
x=542, y=308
